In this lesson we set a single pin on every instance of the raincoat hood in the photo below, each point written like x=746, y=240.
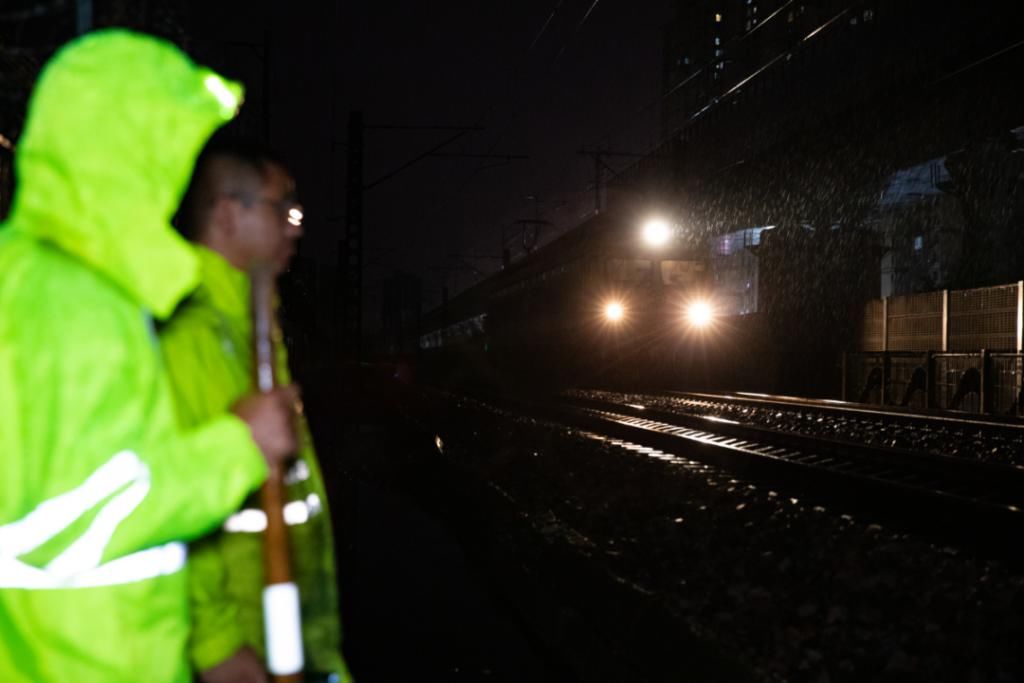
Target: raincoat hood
x=114, y=126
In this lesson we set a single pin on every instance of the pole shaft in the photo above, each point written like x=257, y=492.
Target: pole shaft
x=276, y=559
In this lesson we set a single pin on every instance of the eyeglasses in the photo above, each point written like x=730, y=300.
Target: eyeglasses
x=285, y=208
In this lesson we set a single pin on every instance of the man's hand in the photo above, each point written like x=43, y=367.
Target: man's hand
x=271, y=420
x=242, y=667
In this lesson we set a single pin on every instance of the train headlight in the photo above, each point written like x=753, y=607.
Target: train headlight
x=613, y=311
x=656, y=232
x=699, y=314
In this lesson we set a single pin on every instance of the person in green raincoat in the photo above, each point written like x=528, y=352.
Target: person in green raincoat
x=240, y=210
x=99, y=486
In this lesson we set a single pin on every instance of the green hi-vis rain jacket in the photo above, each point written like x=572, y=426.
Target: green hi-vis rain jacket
x=98, y=484
x=207, y=346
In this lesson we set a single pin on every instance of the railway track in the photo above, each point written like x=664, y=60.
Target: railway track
x=944, y=424
x=953, y=500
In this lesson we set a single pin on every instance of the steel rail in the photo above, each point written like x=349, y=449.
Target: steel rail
x=948, y=499
x=893, y=414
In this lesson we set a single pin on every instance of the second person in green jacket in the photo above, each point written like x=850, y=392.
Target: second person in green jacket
x=240, y=210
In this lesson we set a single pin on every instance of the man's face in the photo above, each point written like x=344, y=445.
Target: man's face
x=268, y=225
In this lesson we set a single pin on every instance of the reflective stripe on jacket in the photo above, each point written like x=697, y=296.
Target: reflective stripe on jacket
x=207, y=348
x=98, y=484
x=123, y=482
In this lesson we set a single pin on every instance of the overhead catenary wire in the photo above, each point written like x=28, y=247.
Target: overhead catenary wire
x=577, y=29
x=488, y=153
x=517, y=109
x=735, y=89
x=544, y=27
x=531, y=72
x=774, y=16
x=522, y=102
x=735, y=42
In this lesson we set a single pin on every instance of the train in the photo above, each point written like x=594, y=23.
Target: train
x=621, y=299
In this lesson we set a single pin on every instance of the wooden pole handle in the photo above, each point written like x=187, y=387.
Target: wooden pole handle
x=282, y=625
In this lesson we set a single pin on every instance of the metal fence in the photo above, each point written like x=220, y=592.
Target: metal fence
x=907, y=379
x=913, y=322
x=967, y=320
x=864, y=378
x=984, y=319
x=975, y=382
x=959, y=378
x=1007, y=372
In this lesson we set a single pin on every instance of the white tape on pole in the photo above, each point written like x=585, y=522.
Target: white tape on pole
x=283, y=629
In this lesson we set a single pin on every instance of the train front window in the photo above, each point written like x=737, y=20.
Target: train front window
x=682, y=273
x=628, y=271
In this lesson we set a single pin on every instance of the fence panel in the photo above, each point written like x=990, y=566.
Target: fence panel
x=983, y=318
x=908, y=380
x=958, y=381
x=1005, y=383
x=865, y=374
x=915, y=322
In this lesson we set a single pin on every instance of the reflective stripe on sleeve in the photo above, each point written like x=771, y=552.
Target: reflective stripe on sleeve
x=52, y=516
x=78, y=565
x=87, y=552
x=145, y=564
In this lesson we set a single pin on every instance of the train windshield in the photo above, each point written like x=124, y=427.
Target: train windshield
x=682, y=273
x=629, y=271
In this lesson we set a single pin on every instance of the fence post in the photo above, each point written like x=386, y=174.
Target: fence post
x=885, y=323
x=1020, y=316
x=985, y=397
x=945, y=320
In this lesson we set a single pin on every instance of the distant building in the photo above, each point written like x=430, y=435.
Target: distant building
x=713, y=47
x=921, y=228
x=734, y=270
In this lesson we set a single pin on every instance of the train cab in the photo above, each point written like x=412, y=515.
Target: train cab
x=656, y=282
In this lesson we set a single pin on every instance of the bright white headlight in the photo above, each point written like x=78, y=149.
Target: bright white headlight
x=699, y=314
x=657, y=232
x=613, y=311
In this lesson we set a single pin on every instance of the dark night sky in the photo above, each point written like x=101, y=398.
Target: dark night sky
x=580, y=84
x=542, y=77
